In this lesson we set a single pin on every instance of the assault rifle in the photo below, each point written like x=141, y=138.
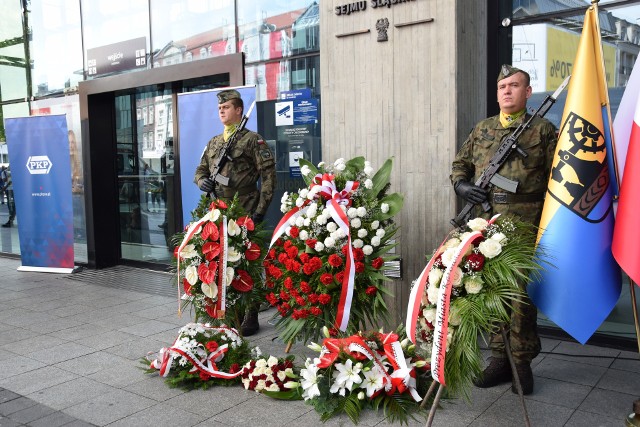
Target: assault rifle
x=490, y=174
x=225, y=153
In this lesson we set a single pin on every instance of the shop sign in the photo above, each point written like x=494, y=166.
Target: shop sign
x=122, y=56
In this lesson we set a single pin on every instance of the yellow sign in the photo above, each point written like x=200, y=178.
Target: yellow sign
x=561, y=52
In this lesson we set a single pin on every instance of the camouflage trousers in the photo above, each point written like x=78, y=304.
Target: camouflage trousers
x=522, y=333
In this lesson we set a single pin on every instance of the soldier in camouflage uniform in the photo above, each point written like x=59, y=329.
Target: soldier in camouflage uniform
x=251, y=160
x=532, y=173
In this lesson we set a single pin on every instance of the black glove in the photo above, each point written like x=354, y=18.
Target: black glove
x=205, y=185
x=257, y=218
x=470, y=192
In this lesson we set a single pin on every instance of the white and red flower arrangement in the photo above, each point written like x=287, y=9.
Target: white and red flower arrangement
x=219, y=262
x=325, y=264
x=201, y=356
x=465, y=291
x=270, y=374
x=366, y=370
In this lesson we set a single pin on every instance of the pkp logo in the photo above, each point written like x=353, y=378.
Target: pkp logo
x=38, y=165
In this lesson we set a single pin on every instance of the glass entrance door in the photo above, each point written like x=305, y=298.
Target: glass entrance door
x=145, y=165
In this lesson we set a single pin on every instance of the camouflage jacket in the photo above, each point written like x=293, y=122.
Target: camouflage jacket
x=532, y=172
x=251, y=160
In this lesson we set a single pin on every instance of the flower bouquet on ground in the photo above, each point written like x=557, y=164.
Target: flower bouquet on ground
x=366, y=370
x=201, y=356
x=268, y=374
x=219, y=262
x=467, y=289
x=325, y=266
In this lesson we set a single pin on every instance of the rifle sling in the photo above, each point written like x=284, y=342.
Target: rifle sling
x=508, y=198
x=229, y=192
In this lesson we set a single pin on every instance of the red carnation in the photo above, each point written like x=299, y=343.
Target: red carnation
x=304, y=287
x=359, y=267
x=292, y=251
x=477, y=240
x=234, y=368
x=324, y=299
x=316, y=311
x=242, y=283
x=313, y=298
x=269, y=284
x=272, y=299
x=358, y=254
x=204, y=376
x=272, y=253
x=340, y=276
x=333, y=332
x=295, y=266
x=175, y=252
x=377, y=263
x=211, y=346
x=300, y=301
x=288, y=283
x=335, y=260
x=253, y=252
x=475, y=261
x=311, y=243
x=345, y=250
x=326, y=279
x=305, y=257
x=294, y=232
x=371, y=290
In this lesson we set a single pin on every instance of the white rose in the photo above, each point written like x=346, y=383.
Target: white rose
x=321, y=220
x=454, y=316
x=380, y=232
x=261, y=363
x=448, y=256
x=352, y=212
x=304, y=235
x=472, y=284
x=368, y=184
x=384, y=207
x=283, y=209
x=490, y=248
x=362, y=233
x=356, y=223
x=272, y=361
x=375, y=241
x=233, y=255
x=375, y=224
x=367, y=249
x=319, y=247
x=362, y=211
x=191, y=274
x=500, y=238
x=305, y=170
x=451, y=243
x=477, y=224
x=429, y=314
x=458, y=275
x=331, y=227
x=432, y=294
x=357, y=243
x=434, y=276
x=299, y=202
x=329, y=242
x=368, y=170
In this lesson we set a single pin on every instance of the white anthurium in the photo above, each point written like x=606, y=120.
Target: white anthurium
x=212, y=215
x=233, y=255
x=233, y=229
x=209, y=290
x=191, y=274
x=189, y=251
x=229, y=275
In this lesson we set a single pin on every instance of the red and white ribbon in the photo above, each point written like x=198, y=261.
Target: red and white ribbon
x=346, y=294
x=403, y=377
x=221, y=303
x=192, y=230
x=284, y=222
x=441, y=323
x=324, y=185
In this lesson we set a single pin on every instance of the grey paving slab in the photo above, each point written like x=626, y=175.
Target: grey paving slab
x=32, y=413
x=7, y=395
x=159, y=415
x=33, y=344
x=561, y=393
x=133, y=306
x=14, y=334
x=109, y=407
x=312, y=418
x=622, y=381
x=588, y=354
x=81, y=331
x=119, y=376
x=148, y=328
x=581, y=419
x=627, y=361
x=107, y=339
x=92, y=363
x=58, y=324
x=211, y=402
x=4, y=355
x=609, y=403
x=18, y=365
x=71, y=311
x=25, y=318
x=161, y=312
x=153, y=387
x=118, y=321
x=136, y=349
x=564, y=370
x=59, y=353
x=15, y=405
x=252, y=412
x=507, y=412
x=46, y=302
x=9, y=296
x=8, y=422
x=38, y=379
x=55, y=419
x=70, y=393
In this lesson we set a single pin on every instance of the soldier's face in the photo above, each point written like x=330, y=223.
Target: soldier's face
x=229, y=114
x=513, y=93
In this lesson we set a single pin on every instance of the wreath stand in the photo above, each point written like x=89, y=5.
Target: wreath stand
x=507, y=348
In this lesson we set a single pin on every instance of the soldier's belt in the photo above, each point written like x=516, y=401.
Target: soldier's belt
x=229, y=192
x=508, y=198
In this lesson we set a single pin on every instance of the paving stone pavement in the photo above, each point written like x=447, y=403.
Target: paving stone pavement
x=70, y=351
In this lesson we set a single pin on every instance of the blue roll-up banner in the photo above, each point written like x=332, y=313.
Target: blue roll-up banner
x=199, y=122
x=41, y=174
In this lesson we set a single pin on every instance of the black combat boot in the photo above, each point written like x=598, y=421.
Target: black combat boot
x=526, y=378
x=250, y=323
x=497, y=372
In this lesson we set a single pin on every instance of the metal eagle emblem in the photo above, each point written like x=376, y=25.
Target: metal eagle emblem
x=381, y=26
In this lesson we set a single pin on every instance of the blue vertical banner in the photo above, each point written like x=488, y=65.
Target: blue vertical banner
x=41, y=173
x=198, y=122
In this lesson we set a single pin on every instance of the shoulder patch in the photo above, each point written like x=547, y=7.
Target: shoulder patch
x=265, y=154
x=260, y=141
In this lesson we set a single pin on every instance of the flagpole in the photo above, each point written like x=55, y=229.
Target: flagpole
x=632, y=285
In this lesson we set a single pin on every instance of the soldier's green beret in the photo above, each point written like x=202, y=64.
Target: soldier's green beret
x=228, y=95
x=507, y=71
